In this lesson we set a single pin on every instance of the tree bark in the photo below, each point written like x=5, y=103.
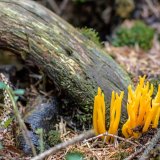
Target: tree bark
x=74, y=63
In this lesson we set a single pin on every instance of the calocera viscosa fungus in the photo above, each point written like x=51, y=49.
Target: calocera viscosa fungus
x=99, y=113
x=143, y=111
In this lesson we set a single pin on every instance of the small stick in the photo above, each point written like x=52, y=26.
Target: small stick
x=56, y=148
x=54, y=6
x=112, y=135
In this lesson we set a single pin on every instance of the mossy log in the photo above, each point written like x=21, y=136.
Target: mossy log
x=73, y=62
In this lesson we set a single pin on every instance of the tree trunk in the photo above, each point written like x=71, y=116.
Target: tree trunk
x=74, y=63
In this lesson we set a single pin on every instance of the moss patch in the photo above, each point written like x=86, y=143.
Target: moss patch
x=139, y=33
x=92, y=35
x=53, y=138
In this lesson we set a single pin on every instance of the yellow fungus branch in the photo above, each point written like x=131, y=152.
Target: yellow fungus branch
x=143, y=111
x=115, y=113
x=99, y=113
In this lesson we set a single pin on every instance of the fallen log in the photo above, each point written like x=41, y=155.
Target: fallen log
x=74, y=63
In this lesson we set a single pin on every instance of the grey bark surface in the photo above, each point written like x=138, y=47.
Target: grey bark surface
x=74, y=63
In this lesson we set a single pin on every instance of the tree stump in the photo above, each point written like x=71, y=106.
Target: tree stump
x=73, y=62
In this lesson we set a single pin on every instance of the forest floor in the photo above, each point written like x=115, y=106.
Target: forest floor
x=137, y=62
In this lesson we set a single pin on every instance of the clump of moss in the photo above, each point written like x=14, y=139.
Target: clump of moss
x=155, y=82
x=92, y=35
x=53, y=137
x=83, y=120
x=139, y=33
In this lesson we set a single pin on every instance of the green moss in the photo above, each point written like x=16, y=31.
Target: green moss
x=85, y=120
x=92, y=35
x=53, y=137
x=155, y=82
x=139, y=33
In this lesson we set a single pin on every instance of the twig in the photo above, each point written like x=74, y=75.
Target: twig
x=63, y=5
x=151, y=145
x=136, y=153
x=54, y=6
x=112, y=135
x=74, y=140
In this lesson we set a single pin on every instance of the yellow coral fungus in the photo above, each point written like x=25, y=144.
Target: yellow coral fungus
x=142, y=110
x=99, y=113
x=115, y=113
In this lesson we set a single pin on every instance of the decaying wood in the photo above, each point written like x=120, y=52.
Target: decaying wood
x=74, y=63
